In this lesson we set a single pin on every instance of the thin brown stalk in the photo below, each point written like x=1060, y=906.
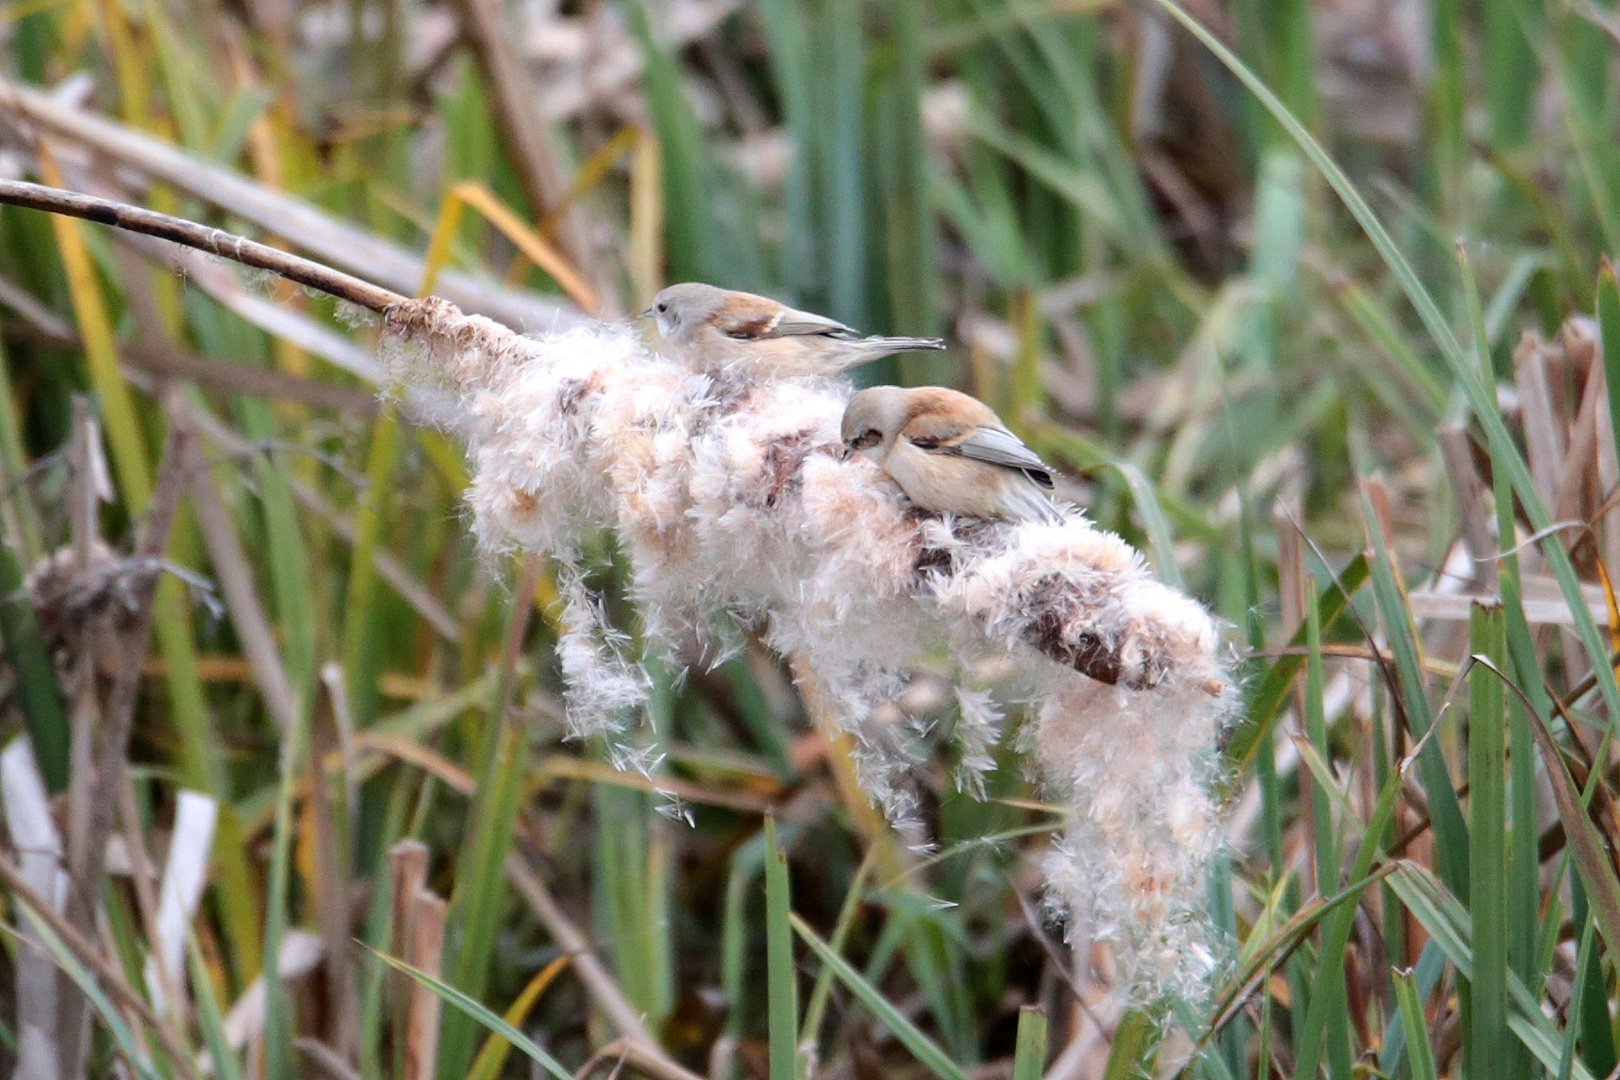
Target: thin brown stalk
x=328, y=1061
x=117, y=718
x=523, y=129
x=623, y=1053
x=119, y=714
x=86, y=952
x=599, y=984
x=202, y=237
x=240, y=590
x=87, y=465
x=219, y=375
x=389, y=568
x=332, y=887
x=144, y=877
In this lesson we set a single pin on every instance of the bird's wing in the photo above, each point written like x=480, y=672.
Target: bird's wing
x=749, y=316
x=795, y=323
x=996, y=446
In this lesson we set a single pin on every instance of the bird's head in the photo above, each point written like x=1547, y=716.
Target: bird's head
x=872, y=419
x=681, y=311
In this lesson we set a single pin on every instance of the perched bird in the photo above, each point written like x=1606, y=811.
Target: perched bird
x=714, y=329
x=949, y=453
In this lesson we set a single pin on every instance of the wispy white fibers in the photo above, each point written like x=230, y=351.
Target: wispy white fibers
x=734, y=499
x=977, y=733
x=603, y=689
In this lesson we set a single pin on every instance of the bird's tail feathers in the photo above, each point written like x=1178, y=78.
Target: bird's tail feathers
x=1030, y=503
x=866, y=350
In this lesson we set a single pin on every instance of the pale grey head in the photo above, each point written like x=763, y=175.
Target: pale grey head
x=681, y=310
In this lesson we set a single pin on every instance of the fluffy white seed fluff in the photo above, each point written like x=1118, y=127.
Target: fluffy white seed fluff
x=734, y=499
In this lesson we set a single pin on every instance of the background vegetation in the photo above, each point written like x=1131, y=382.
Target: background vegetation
x=1344, y=408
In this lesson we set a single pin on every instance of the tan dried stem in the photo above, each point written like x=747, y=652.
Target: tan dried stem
x=202, y=237
x=625, y=1053
x=599, y=984
x=118, y=717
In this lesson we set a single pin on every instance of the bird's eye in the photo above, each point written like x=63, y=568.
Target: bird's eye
x=866, y=439
x=662, y=308
x=741, y=335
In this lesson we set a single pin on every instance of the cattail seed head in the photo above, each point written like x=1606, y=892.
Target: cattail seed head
x=734, y=498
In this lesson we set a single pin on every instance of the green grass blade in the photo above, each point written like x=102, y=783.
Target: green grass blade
x=1269, y=698
x=1511, y=59
x=37, y=690
x=1486, y=1002
x=747, y=863
x=631, y=859
x=1419, y=1053
x=1029, y=1053
x=278, y=1023
x=480, y=1014
x=1161, y=540
x=1136, y=1046
x=1444, y=917
x=926, y=1051
x=480, y=889
x=1481, y=397
x=1608, y=315
x=210, y=1020
x=361, y=625
x=699, y=247
x=1596, y=871
x=1450, y=829
x=820, y=993
x=782, y=980
x=1594, y=1027
x=1585, y=960
x=843, y=218
x=128, y=1048
x=901, y=152
x=1327, y=998
x=1448, y=106
x=793, y=65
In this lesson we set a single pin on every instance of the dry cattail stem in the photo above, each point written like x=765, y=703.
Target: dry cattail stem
x=204, y=238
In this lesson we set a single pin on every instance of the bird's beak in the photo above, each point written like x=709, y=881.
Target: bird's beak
x=645, y=314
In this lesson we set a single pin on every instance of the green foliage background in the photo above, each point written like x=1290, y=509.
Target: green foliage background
x=1159, y=276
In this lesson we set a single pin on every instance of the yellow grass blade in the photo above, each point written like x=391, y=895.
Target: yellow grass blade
x=129, y=454
x=528, y=241
x=487, y=1065
x=590, y=174
x=646, y=261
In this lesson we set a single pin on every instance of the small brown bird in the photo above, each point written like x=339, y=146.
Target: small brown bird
x=712, y=329
x=949, y=453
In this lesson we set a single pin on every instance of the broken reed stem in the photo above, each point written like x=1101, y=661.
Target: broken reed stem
x=202, y=237
x=119, y=714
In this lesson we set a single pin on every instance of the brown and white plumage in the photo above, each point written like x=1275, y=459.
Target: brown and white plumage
x=949, y=453
x=714, y=329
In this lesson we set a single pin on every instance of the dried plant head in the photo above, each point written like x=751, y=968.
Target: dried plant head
x=737, y=500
